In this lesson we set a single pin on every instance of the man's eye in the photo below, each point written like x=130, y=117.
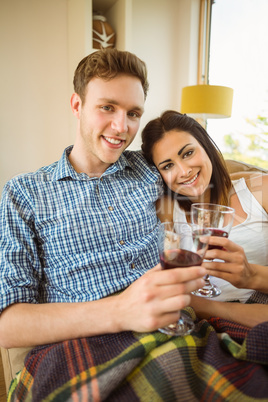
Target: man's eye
x=108, y=108
x=133, y=114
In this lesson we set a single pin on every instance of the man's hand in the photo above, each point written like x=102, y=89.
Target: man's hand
x=155, y=299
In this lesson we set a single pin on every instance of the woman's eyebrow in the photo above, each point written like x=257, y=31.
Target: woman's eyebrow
x=181, y=150
x=179, y=153
x=167, y=160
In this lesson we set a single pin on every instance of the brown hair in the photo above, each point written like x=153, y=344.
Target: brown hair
x=107, y=64
x=220, y=181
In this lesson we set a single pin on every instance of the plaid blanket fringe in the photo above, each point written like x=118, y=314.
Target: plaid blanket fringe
x=128, y=366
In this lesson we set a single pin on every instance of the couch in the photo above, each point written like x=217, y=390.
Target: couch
x=13, y=358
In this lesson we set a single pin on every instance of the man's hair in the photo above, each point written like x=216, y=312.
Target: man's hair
x=107, y=64
x=171, y=120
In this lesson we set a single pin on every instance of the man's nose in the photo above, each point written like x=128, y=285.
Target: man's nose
x=119, y=123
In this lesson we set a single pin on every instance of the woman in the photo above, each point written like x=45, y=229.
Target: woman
x=193, y=170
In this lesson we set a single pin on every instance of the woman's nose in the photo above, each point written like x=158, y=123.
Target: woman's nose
x=119, y=123
x=184, y=170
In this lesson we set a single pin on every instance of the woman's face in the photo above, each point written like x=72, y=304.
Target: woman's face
x=183, y=163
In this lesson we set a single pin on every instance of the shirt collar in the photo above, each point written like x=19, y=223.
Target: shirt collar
x=64, y=169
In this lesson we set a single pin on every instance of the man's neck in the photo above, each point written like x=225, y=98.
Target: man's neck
x=83, y=164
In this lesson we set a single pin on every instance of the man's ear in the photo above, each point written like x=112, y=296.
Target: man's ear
x=76, y=104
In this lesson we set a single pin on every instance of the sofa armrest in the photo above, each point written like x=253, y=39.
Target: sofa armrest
x=13, y=361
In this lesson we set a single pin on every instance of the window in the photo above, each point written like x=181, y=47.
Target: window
x=238, y=58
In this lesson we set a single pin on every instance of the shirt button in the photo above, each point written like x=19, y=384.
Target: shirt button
x=101, y=179
x=110, y=208
x=122, y=242
x=132, y=265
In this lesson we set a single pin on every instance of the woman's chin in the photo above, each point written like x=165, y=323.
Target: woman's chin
x=194, y=194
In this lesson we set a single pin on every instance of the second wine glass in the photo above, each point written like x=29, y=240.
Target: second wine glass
x=179, y=247
x=219, y=220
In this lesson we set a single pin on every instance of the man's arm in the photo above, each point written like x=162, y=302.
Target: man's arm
x=152, y=301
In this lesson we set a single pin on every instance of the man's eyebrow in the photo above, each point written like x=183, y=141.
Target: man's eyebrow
x=179, y=153
x=114, y=102
x=108, y=100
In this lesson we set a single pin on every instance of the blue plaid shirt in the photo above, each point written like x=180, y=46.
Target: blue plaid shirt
x=65, y=237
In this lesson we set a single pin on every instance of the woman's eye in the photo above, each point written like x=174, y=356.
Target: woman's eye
x=168, y=166
x=189, y=153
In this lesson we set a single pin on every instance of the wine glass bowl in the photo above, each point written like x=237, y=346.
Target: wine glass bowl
x=219, y=220
x=181, y=245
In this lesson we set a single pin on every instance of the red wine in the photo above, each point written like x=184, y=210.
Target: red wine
x=179, y=259
x=215, y=232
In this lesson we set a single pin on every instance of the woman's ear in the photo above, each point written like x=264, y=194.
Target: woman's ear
x=76, y=103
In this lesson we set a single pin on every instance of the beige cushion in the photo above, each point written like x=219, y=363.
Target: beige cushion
x=13, y=360
x=235, y=166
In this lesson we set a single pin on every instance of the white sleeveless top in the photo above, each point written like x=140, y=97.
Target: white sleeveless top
x=252, y=235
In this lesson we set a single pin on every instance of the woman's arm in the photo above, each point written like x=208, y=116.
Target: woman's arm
x=235, y=269
x=244, y=314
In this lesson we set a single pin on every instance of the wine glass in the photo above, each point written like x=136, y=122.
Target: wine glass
x=219, y=219
x=180, y=246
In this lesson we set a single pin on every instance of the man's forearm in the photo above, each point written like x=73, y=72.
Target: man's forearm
x=37, y=324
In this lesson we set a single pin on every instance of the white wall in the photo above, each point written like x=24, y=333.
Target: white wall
x=165, y=36
x=40, y=48
x=34, y=123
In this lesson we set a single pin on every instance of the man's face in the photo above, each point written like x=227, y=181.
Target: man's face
x=109, y=119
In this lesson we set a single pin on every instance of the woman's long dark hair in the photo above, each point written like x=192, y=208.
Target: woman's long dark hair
x=220, y=182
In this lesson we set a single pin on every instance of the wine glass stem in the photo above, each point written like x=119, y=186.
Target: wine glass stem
x=207, y=280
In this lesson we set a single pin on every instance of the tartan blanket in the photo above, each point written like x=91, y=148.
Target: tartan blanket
x=219, y=361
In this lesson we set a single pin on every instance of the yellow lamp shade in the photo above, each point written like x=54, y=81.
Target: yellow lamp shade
x=207, y=101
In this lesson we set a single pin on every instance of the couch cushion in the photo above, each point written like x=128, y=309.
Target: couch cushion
x=235, y=166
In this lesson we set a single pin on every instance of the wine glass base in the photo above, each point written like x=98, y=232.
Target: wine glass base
x=207, y=291
x=184, y=326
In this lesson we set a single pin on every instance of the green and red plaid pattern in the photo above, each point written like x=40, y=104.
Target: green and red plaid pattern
x=204, y=366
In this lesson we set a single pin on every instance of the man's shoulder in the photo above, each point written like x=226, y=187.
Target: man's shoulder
x=137, y=161
x=52, y=172
x=42, y=174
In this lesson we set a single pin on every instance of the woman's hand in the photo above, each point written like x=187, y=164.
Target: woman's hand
x=235, y=269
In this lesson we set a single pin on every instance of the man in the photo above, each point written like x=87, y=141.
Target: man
x=85, y=228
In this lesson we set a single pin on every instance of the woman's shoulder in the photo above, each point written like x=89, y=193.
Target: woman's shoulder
x=257, y=184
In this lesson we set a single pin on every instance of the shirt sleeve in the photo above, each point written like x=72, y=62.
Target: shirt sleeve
x=20, y=267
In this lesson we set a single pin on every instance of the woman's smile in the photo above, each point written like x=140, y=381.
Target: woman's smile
x=187, y=183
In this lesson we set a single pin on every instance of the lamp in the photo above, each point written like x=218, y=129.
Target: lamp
x=207, y=101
